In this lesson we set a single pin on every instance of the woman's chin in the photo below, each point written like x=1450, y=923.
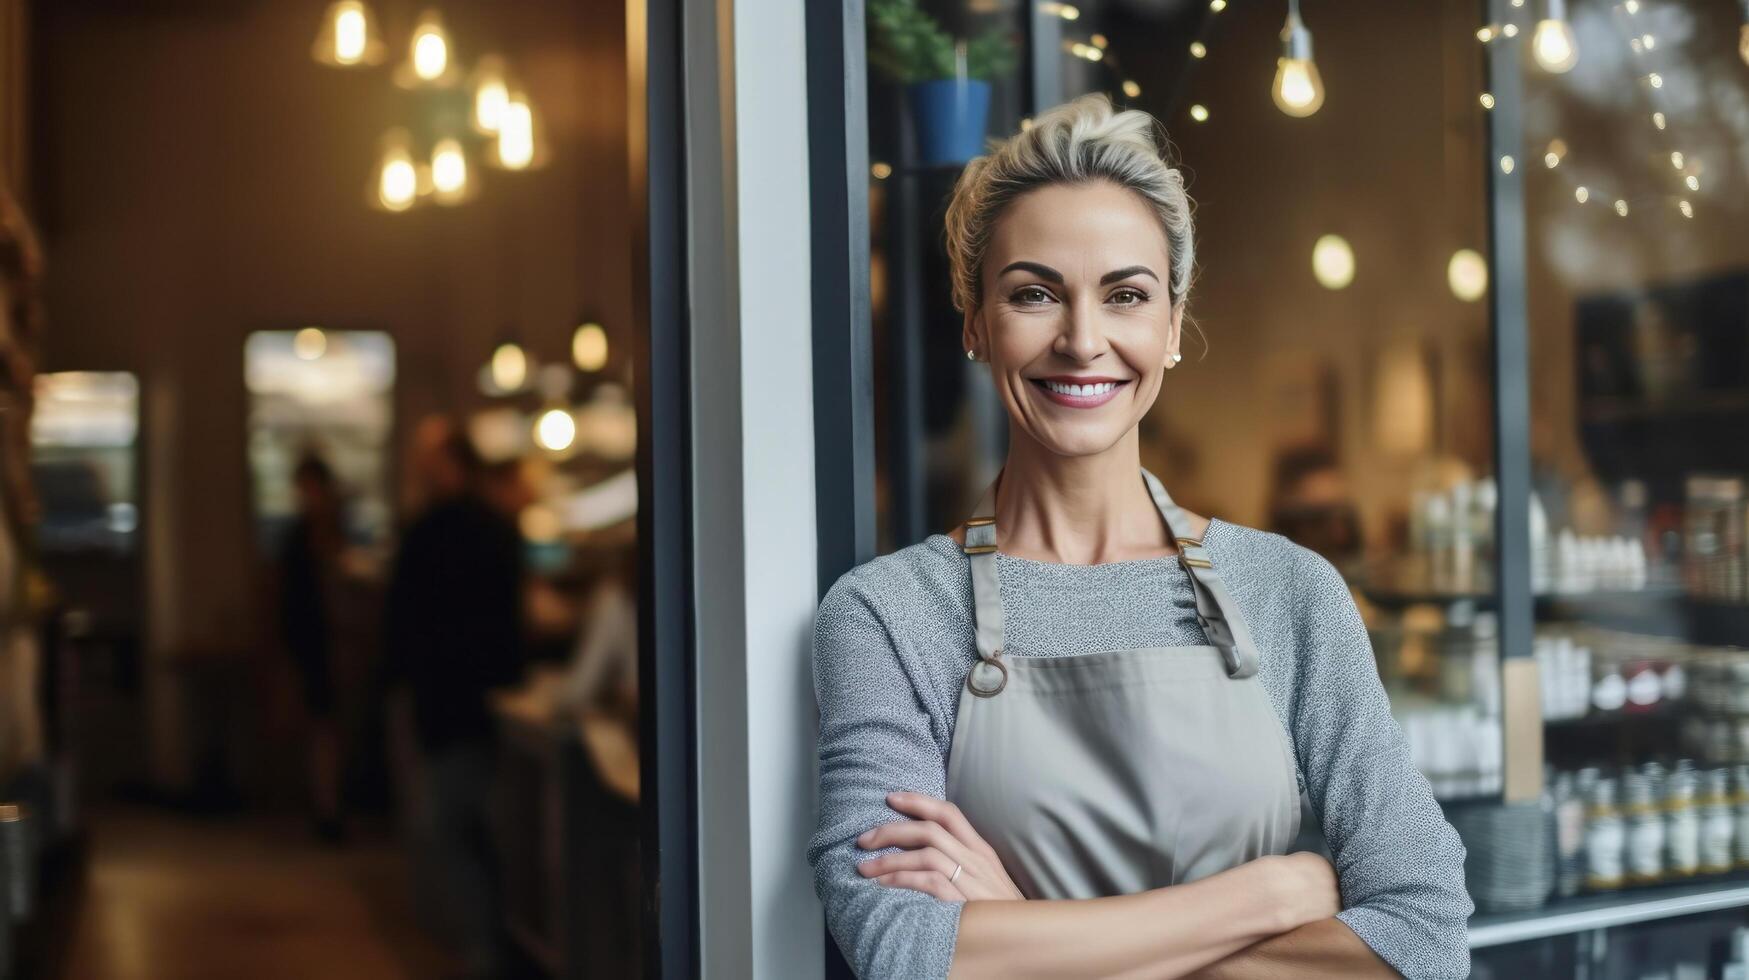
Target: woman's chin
x=1078, y=440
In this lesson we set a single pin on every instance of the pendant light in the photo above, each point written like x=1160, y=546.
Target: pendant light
x=449, y=172
x=1553, y=45
x=491, y=94
x=396, y=186
x=430, y=58
x=519, y=145
x=1298, y=89
x=349, y=36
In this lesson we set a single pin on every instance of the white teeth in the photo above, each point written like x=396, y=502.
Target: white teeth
x=1081, y=391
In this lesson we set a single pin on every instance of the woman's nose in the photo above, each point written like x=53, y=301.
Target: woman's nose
x=1082, y=338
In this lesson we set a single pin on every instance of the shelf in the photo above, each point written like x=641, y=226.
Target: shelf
x=1567, y=916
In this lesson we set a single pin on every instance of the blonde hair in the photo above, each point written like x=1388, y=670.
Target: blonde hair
x=1075, y=143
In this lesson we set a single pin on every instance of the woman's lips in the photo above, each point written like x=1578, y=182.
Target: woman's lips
x=1079, y=392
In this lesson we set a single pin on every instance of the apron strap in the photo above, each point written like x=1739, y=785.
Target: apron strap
x=990, y=675
x=1219, y=615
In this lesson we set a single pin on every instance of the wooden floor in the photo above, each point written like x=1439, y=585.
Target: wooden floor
x=172, y=897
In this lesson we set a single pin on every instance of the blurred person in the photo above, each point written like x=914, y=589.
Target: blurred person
x=310, y=564
x=455, y=633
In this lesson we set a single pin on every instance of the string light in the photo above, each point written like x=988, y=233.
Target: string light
x=1686, y=208
x=1621, y=207
x=1298, y=88
x=1467, y=275
x=449, y=172
x=1486, y=34
x=881, y=171
x=1632, y=7
x=1580, y=194
x=1506, y=165
x=1487, y=100
x=1099, y=41
x=1556, y=152
x=1658, y=119
x=1063, y=10
x=1131, y=89
x=1676, y=159
x=348, y=38
x=1553, y=45
x=1216, y=6
x=1693, y=182
x=1510, y=30
x=1198, y=50
x=1332, y=262
x=1655, y=80
x=428, y=55
x=1649, y=41
x=1199, y=112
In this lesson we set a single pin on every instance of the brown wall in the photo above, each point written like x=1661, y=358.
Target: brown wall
x=201, y=177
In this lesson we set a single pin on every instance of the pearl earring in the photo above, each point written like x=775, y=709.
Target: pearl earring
x=972, y=355
x=1176, y=357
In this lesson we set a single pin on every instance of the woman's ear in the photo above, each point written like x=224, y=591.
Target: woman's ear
x=1175, y=334
x=969, y=333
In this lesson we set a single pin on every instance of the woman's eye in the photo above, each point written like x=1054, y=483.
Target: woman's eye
x=1031, y=294
x=1129, y=297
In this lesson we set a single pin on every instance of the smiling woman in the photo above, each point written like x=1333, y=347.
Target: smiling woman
x=1076, y=735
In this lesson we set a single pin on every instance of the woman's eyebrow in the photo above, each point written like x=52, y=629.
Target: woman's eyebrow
x=1117, y=275
x=1042, y=271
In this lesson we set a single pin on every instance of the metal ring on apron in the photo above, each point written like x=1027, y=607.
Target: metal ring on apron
x=988, y=691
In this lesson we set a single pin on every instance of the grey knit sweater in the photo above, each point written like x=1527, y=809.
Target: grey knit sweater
x=893, y=642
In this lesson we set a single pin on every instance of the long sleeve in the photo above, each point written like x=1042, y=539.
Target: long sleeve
x=875, y=738
x=1399, y=862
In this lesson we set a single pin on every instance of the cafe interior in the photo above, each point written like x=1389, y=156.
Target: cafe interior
x=1471, y=320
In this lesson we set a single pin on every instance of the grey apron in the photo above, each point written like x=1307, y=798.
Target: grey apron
x=1115, y=773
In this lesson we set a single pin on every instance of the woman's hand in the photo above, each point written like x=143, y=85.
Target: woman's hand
x=1305, y=887
x=942, y=855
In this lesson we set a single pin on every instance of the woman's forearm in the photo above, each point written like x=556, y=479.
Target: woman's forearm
x=1322, y=950
x=1155, y=935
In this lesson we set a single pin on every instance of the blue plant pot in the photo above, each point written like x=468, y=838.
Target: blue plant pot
x=950, y=115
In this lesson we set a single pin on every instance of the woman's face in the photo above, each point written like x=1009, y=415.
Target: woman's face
x=1075, y=318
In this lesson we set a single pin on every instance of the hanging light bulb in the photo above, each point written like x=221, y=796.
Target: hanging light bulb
x=428, y=54
x=589, y=347
x=555, y=430
x=1298, y=89
x=518, y=145
x=397, y=179
x=1553, y=45
x=491, y=94
x=449, y=172
x=509, y=367
x=348, y=37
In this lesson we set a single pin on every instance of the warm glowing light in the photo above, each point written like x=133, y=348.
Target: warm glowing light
x=309, y=344
x=539, y=524
x=348, y=37
x=1198, y=49
x=1686, y=208
x=491, y=93
x=1655, y=80
x=1693, y=182
x=589, y=347
x=449, y=171
x=430, y=51
x=1467, y=274
x=1099, y=41
x=1063, y=10
x=1486, y=34
x=1743, y=43
x=1506, y=165
x=1094, y=54
x=555, y=430
x=1298, y=91
x=1551, y=160
x=1553, y=44
x=1333, y=262
x=1632, y=7
x=1199, y=112
x=509, y=367
x=1676, y=159
x=1580, y=194
x=881, y=171
x=1556, y=152
x=516, y=134
x=398, y=180
x=1621, y=207
x=1649, y=41
x=1487, y=100
x=1217, y=5
x=1658, y=119
x=1131, y=89
x=1510, y=30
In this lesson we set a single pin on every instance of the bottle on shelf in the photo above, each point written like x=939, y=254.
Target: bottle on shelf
x=1645, y=830
x=1604, y=837
x=1682, y=823
x=1718, y=823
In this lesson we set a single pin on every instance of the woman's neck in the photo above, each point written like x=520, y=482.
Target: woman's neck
x=1078, y=510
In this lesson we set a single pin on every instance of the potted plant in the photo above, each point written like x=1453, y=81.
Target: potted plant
x=946, y=79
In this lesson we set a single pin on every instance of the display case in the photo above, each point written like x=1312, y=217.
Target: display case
x=1473, y=322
